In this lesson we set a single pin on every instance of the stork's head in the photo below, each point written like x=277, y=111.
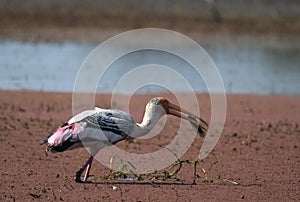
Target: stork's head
x=168, y=107
x=63, y=138
x=172, y=109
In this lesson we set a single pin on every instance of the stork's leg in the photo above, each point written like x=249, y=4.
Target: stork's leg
x=87, y=171
x=87, y=166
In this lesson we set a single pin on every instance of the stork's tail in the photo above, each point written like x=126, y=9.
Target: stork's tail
x=43, y=141
x=199, y=124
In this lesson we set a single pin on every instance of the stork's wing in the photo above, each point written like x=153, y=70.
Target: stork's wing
x=82, y=115
x=116, y=121
x=115, y=125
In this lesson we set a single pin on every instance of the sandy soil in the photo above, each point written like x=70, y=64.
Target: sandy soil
x=259, y=148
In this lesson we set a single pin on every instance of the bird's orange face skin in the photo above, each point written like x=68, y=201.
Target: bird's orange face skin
x=170, y=108
x=165, y=103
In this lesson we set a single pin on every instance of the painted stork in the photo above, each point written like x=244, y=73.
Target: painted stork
x=106, y=127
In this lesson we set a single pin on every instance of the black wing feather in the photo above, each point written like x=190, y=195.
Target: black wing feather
x=118, y=122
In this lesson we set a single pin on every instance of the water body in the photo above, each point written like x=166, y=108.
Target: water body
x=49, y=66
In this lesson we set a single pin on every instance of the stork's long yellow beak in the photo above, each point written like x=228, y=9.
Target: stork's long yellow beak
x=177, y=111
x=199, y=124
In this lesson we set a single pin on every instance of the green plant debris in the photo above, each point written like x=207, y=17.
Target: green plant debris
x=170, y=174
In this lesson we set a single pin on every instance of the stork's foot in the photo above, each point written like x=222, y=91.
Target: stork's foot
x=87, y=166
x=78, y=176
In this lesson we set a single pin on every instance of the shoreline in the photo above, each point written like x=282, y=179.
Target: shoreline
x=141, y=94
x=94, y=21
x=205, y=32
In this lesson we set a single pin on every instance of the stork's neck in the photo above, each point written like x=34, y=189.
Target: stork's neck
x=152, y=115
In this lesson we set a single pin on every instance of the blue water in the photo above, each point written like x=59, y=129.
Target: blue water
x=48, y=66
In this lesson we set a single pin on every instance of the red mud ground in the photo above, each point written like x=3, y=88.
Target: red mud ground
x=259, y=148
